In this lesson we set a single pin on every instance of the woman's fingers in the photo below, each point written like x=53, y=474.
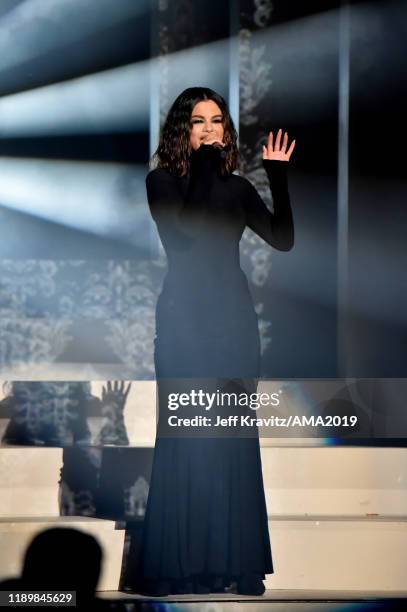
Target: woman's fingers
x=285, y=142
x=270, y=142
x=278, y=140
x=211, y=140
x=291, y=149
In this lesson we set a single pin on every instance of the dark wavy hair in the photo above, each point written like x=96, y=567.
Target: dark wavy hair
x=174, y=147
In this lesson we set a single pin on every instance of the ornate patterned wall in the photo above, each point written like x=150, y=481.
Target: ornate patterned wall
x=255, y=80
x=87, y=313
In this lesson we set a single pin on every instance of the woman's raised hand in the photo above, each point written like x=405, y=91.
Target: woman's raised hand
x=276, y=150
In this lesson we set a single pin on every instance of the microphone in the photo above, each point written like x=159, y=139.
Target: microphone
x=222, y=150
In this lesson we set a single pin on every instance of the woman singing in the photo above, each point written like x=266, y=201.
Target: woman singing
x=206, y=521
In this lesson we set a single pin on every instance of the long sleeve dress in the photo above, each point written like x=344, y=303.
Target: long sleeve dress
x=206, y=518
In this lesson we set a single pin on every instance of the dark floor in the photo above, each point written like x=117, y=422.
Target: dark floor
x=275, y=601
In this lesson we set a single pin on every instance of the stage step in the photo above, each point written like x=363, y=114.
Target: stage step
x=29, y=481
x=336, y=553
x=298, y=481
x=17, y=533
x=334, y=481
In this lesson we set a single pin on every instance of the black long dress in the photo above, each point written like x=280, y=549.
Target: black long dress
x=206, y=518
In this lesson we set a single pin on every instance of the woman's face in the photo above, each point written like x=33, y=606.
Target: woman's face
x=206, y=124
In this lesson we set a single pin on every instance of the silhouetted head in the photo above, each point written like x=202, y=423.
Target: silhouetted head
x=181, y=133
x=62, y=559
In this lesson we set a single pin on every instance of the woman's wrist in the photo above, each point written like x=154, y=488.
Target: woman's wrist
x=277, y=164
x=276, y=169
